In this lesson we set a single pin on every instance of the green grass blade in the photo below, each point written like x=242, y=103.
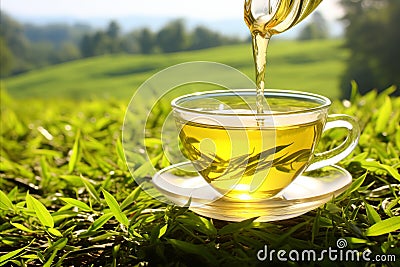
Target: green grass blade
x=115, y=208
x=384, y=227
x=41, y=212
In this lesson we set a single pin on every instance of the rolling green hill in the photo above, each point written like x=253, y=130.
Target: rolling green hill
x=313, y=66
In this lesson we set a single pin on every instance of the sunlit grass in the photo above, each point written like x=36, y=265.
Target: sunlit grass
x=67, y=198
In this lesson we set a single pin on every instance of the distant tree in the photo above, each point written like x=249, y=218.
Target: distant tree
x=16, y=42
x=146, y=41
x=6, y=59
x=172, y=37
x=373, y=40
x=316, y=29
x=130, y=43
x=203, y=37
x=86, y=46
x=101, y=43
x=113, y=30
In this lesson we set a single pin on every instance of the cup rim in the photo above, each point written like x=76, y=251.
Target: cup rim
x=325, y=102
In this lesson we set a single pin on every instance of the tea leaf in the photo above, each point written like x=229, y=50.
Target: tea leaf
x=75, y=153
x=264, y=154
x=198, y=250
x=354, y=91
x=131, y=197
x=162, y=230
x=45, y=172
x=22, y=227
x=355, y=240
x=201, y=224
x=77, y=203
x=372, y=214
x=397, y=138
x=30, y=256
x=5, y=258
x=90, y=189
x=115, y=208
x=50, y=260
x=252, y=163
x=5, y=202
x=332, y=208
x=384, y=227
x=120, y=150
x=209, y=226
x=99, y=222
x=384, y=116
x=236, y=227
x=73, y=180
x=373, y=165
x=59, y=244
x=148, y=167
x=356, y=184
x=301, y=155
x=41, y=212
x=54, y=232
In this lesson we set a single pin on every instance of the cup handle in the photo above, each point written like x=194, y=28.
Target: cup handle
x=344, y=149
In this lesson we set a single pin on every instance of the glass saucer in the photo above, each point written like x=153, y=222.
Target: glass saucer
x=181, y=184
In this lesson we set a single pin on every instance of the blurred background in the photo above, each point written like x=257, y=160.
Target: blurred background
x=79, y=49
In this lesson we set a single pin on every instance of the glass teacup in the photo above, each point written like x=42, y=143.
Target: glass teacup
x=250, y=156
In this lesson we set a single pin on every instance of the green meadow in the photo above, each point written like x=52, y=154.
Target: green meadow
x=314, y=66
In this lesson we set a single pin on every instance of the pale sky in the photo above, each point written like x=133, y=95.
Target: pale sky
x=200, y=9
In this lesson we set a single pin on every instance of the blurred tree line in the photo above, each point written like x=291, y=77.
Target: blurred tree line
x=373, y=38
x=24, y=47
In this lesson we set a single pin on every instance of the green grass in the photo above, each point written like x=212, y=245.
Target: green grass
x=68, y=199
x=314, y=66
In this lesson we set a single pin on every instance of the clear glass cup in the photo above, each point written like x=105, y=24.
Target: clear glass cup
x=249, y=156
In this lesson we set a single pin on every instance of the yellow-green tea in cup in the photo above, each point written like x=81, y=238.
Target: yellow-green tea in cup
x=249, y=156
